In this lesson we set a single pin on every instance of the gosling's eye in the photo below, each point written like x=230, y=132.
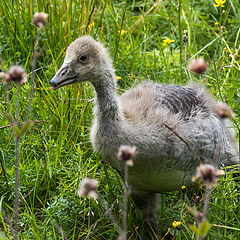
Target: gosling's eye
x=83, y=58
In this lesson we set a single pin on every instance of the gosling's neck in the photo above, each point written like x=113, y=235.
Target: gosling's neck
x=107, y=105
x=108, y=122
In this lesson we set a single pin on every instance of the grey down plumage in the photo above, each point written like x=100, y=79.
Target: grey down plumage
x=155, y=118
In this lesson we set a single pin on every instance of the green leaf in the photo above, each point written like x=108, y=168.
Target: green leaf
x=204, y=227
x=26, y=127
x=9, y=117
x=17, y=131
x=1, y=200
x=195, y=230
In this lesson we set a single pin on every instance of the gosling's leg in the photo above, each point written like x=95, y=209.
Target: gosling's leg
x=147, y=203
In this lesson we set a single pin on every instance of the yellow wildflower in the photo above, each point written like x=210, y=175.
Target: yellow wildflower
x=216, y=23
x=183, y=187
x=91, y=25
x=219, y=3
x=122, y=32
x=118, y=78
x=167, y=42
x=176, y=224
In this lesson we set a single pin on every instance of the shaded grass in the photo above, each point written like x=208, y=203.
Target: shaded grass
x=57, y=154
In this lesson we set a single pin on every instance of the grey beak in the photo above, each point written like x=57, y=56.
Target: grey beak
x=64, y=76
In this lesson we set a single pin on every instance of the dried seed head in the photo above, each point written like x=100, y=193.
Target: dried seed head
x=198, y=65
x=223, y=110
x=185, y=36
x=199, y=216
x=126, y=154
x=88, y=188
x=15, y=74
x=40, y=19
x=208, y=174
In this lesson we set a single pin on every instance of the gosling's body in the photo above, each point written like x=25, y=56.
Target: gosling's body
x=172, y=138
x=173, y=128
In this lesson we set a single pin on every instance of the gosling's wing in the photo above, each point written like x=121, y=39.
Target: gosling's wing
x=178, y=99
x=149, y=97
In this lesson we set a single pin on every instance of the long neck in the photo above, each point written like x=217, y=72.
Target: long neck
x=107, y=105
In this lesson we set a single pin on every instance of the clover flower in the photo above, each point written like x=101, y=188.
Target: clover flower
x=208, y=174
x=88, y=188
x=167, y=42
x=126, y=154
x=219, y=3
x=197, y=65
x=40, y=19
x=16, y=74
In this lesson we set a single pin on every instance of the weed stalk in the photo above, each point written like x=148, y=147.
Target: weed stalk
x=108, y=211
x=208, y=174
x=34, y=66
x=17, y=173
x=17, y=188
x=125, y=201
x=180, y=35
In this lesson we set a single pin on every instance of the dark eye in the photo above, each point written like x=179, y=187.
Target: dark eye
x=83, y=58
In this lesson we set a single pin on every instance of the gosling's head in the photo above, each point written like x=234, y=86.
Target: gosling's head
x=85, y=60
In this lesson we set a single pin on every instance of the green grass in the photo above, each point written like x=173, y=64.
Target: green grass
x=57, y=154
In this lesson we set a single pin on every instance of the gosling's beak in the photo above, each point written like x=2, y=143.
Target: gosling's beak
x=63, y=77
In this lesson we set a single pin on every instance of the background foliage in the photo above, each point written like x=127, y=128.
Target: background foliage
x=56, y=154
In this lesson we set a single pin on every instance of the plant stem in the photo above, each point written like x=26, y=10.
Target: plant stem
x=17, y=188
x=103, y=203
x=143, y=15
x=119, y=35
x=3, y=169
x=34, y=66
x=180, y=35
x=199, y=238
x=17, y=103
x=207, y=200
x=206, y=206
x=12, y=125
x=185, y=53
x=217, y=78
x=17, y=172
x=8, y=104
x=183, y=140
x=125, y=201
